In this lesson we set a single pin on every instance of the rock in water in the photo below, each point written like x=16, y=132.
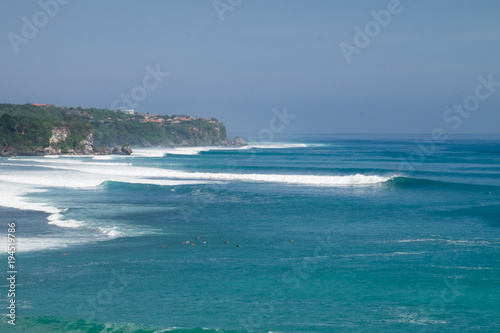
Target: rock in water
x=126, y=150
x=8, y=152
x=239, y=141
x=104, y=150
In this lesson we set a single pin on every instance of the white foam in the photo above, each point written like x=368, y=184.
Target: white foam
x=449, y=241
x=75, y=175
x=25, y=244
x=417, y=319
x=188, y=150
x=57, y=219
x=417, y=240
x=16, y=186
x=53, y=179
x=148, y=152
x=467, y=268
x=12, y=196
x=53, y=242
x=347, y=180
x=160, y=152
x=91, y=175
x=406, y=253
x=112, y=232
x=355, y=255
x=68, y=161
x=274, y=145
x=383, y=254
x=61, y=173
x=144, y=175
x=467, y=242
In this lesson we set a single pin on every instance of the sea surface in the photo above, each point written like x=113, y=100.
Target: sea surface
x=315, y=234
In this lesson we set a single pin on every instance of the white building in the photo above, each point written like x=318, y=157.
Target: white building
x=131, y=111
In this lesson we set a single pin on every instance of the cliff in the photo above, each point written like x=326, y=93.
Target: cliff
x=34, y=129
x=195, y=132
x=60, y=143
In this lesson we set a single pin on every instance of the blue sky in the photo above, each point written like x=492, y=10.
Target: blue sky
x=264, y=54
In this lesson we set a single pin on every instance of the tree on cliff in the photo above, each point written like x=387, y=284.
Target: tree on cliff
x=28, y=129
x=24, y=133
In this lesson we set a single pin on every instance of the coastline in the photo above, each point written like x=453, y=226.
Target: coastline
x=125, y=149
x=45, y=129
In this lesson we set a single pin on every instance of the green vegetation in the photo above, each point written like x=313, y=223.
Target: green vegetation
x=32, y=111
x=28, y=128
x=195, y=132
x=78, y=131
x=24, y=133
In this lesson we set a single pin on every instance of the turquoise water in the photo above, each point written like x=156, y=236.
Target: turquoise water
x=387, y=237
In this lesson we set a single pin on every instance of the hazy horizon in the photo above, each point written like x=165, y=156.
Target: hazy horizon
x=369, y=67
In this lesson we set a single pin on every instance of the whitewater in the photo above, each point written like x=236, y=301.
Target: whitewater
x=317, y=234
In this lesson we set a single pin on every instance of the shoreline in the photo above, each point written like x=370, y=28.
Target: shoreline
x=104, y=150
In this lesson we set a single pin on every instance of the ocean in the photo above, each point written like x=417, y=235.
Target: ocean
x=352, y=233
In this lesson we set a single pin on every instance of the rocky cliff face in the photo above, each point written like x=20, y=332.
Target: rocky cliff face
x=59, y=134
x=88, y=144
x=239, y=141
x=24, y=130
x=58, y=139
x=124, y=150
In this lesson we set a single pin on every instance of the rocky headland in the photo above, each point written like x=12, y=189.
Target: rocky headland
x=38, y=130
